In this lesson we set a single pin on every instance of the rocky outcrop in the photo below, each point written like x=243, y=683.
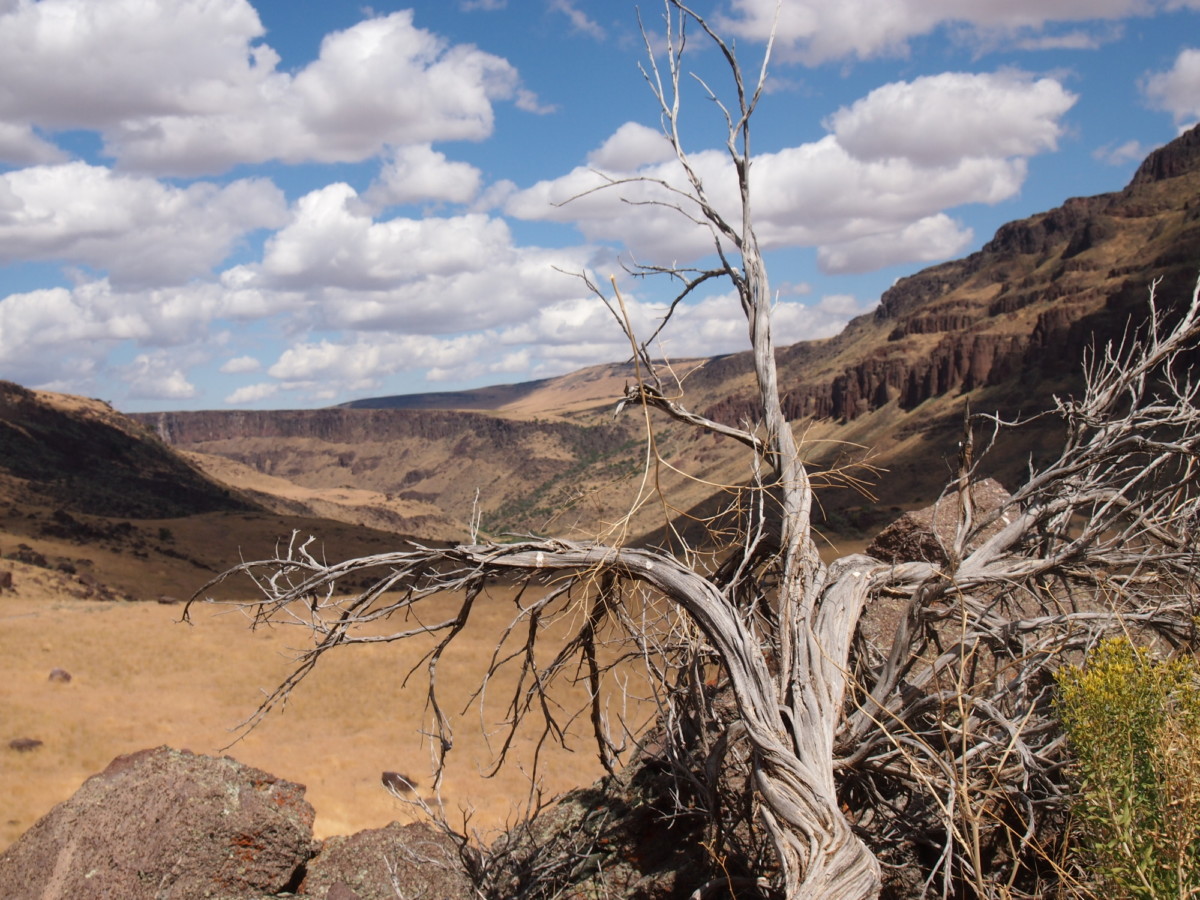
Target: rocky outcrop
x=925, y=533
x=350, y=426
x=386, y=863
x=1044, y=234
x=1177, y=158
x=166, y=824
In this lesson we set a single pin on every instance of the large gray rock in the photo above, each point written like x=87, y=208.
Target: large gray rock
x=165, y=824
x=386, y=863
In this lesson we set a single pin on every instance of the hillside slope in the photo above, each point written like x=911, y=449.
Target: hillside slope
x=420, y=469
x=95, y=506
x=82, y=456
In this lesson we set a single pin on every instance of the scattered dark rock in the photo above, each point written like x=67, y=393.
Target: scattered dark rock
x=24, y=745
x=6, y=581
x=401, y=784
x=62, y=676
x=923, y=534
x=87, y=587
x=26, y=554
x=383, y=863
x=165, y=822
x=165, y=600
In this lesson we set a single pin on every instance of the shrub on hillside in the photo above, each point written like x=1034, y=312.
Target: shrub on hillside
x=1133, y=722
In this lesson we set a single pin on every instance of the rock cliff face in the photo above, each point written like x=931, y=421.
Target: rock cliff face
x=353, y=426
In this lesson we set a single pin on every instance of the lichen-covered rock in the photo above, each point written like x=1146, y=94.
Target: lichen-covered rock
x=165, y=824
x=924, y=534
x=638, y=835
x=385, y=863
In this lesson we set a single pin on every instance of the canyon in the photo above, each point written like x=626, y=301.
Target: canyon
x=1002, y=330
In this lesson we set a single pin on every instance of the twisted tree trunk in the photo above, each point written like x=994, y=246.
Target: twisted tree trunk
x=819, y=853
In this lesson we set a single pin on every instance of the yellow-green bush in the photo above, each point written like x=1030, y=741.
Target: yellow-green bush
x=1133, y=722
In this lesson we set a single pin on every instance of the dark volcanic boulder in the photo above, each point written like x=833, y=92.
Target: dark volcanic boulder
x=637, y=834
x=922, y=535
x=166, y=823
x=385, y=863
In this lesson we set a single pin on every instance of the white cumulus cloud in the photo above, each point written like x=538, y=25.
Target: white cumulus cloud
x=252, y=393
x=332, y=241
x=240, y=365
x=139, y=230
x=430, y=275
x=156, y=376
x=581, y=331
x=418, y=174
x=368, y=357
x=55, y=335
x=631, y=146
x=1177, y=90
x=185, y=87
x=21, y=146
x=926, y=240
x=940, y=119
x=870, y=194
x=817, y=31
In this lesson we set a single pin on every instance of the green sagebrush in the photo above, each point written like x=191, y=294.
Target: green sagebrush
x=1133, y=722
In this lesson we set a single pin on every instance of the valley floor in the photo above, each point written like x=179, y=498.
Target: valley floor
x=141, y=678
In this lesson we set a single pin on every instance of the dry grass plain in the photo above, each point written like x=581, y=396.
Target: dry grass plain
x=141, y=678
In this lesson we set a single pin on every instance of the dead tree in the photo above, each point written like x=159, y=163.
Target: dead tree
x=938, y=734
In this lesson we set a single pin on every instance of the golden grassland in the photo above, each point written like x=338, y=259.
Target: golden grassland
x=141, y=678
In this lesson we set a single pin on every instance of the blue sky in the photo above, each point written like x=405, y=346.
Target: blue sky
x=215, y=204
